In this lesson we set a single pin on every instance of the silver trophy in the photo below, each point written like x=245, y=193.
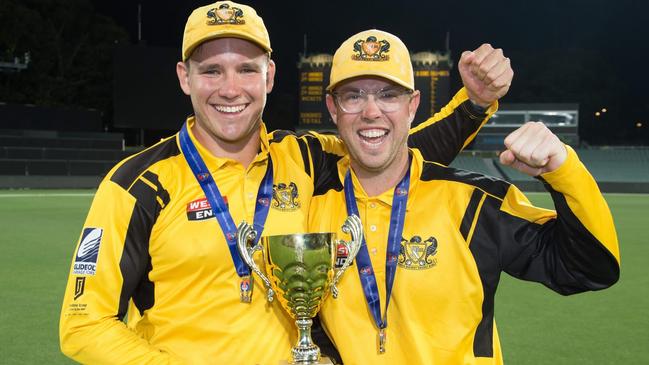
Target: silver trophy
x=302, y=269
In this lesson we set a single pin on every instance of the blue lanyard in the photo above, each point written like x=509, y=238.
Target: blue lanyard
x=363, y=262
x=219, y=207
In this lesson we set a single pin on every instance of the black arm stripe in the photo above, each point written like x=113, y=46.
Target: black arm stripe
x=135, y=256
x=443, y=140
x=135, y=263
x=585, y=256
x=470, y=212
x=485, y=254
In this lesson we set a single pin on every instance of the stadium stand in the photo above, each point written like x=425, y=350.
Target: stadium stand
x=617, y=165
x=619, y=169
x=55, y=159
x=475, y=163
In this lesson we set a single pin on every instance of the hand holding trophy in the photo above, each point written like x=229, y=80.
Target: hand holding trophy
x=301, y=269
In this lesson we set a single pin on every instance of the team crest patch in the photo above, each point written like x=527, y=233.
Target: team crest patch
x=371, y=50
x=285, y=197
x=225, y=14
x=417, y=254
x=85, y=262
x=201, y=209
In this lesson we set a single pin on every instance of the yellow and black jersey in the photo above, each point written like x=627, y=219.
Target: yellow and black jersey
x=150, y=247
x=157, y=243
x=461, y=231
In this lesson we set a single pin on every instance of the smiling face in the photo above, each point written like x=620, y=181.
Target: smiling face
x=228, y=80
x=376, y=140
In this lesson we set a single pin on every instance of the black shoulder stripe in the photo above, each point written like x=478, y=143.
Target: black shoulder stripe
x=327, y=175
x=161, y=192
x=325, y=168
x=489, y=184
x=304, y=151
x=279, y=135
x=470, y=213
x=135, y=165
x=146, y=198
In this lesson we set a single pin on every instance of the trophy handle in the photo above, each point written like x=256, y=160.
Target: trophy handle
x=245, y=237
x=353, y=227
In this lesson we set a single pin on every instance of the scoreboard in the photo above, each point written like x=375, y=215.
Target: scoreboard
x=314, y=78
x=432, y=79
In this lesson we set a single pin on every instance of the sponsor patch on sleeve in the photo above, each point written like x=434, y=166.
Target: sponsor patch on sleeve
x=85, y=262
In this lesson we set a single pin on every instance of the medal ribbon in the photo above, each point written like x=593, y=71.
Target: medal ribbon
x=219, y=207
x=363, y=262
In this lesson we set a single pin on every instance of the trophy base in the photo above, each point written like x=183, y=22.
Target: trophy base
x=323, y=361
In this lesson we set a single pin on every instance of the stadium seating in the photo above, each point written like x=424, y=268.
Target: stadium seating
x=617, y=165
x=475, y=163
x=29, y=153
x=615, y=169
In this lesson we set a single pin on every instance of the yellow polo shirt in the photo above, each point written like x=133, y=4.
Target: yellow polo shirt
x=461, y=231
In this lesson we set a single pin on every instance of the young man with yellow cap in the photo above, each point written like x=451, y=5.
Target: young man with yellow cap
x=159, y=240
x=422, y=287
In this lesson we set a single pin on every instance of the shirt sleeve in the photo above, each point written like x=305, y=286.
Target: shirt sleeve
x=441, y=137
x=570, y=250
x=108, y=264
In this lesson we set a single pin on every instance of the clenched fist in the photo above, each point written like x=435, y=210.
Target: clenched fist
x=486, y=74
x=533, y=149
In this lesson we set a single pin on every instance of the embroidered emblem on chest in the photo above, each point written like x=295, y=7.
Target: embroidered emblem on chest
x=285, y=197
x=417, y=254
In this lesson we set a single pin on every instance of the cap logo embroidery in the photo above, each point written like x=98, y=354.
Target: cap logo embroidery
x=225, y=14
x=371, y=50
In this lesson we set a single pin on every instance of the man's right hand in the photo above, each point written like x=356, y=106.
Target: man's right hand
x=486, y=74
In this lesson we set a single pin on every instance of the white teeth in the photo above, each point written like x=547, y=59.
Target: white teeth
x=230, y=108
x=373, y=133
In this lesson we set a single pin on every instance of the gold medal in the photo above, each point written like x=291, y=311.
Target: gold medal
x=382, y=338
x=245, y=286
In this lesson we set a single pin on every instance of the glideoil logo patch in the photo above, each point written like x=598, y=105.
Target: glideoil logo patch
x=85, y=262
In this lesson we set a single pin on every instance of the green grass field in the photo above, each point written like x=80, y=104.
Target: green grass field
x=40, y=228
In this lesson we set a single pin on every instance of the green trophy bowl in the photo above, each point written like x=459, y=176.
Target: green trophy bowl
x=301, y=269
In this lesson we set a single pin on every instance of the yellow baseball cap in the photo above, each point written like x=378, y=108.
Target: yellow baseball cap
x=224, y=19
x=372, y=53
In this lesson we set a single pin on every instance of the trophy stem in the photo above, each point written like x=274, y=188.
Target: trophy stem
x=305, y=352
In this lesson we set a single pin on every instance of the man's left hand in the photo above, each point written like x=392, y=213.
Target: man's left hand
x=533, y=150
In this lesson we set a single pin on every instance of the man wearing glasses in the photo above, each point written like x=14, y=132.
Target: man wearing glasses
x=422, y=287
